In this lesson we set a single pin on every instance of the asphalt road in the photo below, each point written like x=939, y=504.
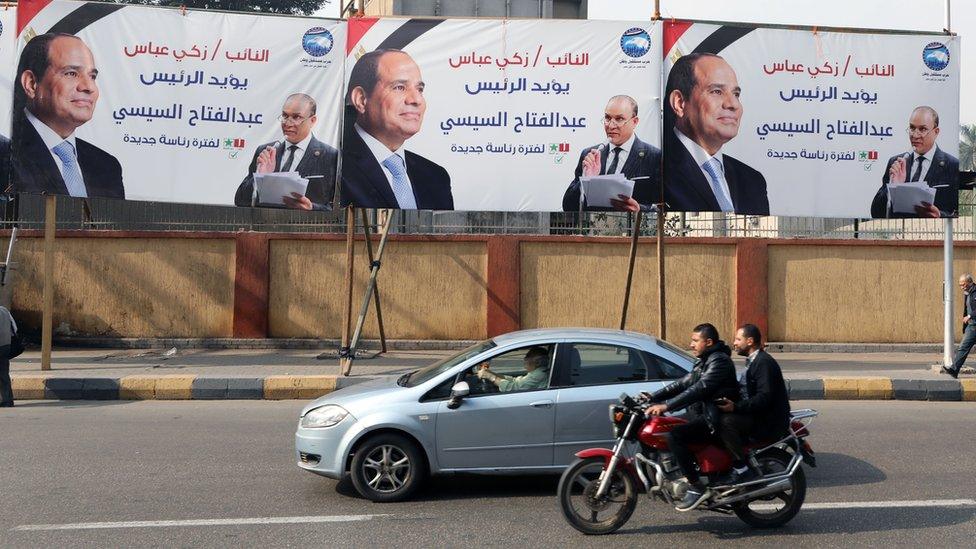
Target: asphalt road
x=124, y=462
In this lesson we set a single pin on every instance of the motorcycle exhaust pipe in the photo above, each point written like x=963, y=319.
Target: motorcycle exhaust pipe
x=773, y=488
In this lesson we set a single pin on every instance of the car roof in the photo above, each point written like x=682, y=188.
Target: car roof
x=634, y=338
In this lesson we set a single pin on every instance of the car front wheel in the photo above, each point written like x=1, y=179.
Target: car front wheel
x=388, y=467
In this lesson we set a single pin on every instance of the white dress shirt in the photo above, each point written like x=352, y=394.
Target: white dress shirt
x=299, y=152
x=625, y=149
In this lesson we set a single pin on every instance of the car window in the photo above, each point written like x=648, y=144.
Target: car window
x=524, y=369
x=659, y=368
x=597, y=364
x=424, y=374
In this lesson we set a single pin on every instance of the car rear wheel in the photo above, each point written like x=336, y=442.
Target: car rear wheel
x=388, y=467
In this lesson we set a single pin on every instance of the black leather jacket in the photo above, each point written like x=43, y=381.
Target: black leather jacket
x=713, y=377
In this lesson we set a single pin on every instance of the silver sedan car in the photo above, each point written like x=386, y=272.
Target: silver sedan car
x=523, y=402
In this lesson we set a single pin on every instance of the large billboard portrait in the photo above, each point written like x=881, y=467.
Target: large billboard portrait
x=167, y=105
x=806, y=123
x=501, y=115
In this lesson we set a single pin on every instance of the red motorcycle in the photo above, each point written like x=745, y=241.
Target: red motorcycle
x=599, y=491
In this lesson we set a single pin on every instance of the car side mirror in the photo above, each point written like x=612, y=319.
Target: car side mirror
x=458, y=392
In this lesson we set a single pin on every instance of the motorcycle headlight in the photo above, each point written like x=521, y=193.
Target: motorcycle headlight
x=324, y=416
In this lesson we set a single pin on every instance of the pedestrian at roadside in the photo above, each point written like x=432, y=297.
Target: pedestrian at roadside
x=969, y=325
x=8, y=331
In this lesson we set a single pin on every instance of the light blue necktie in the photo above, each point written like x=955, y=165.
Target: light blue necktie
x=71, y=172
x=714, y=169
x=401, y=185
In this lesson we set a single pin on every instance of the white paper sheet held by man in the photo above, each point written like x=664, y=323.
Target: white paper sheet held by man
x=271, y=188
x=905, y=196
x=599, y=189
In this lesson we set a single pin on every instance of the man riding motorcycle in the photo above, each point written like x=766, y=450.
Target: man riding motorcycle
x=711, y=378
x=763, y=411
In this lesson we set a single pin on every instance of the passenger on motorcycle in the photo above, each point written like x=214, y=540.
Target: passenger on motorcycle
x=712, y=377
x=763, y=411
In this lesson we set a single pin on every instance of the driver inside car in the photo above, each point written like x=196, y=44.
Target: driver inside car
x=536, y=375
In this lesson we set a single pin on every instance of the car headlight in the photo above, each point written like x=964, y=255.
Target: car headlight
x=324, y=416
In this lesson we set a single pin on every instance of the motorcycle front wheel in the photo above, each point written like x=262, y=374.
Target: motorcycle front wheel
x=583, y=510
x=775, y=510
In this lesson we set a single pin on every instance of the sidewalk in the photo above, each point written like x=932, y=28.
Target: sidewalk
x=135, y=374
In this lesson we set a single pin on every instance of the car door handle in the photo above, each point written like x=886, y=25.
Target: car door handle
x=541, y=404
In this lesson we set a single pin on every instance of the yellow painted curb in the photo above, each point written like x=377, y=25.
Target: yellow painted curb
x=174, y=387
x=28, y=387
x=875, y=388
x=840, y=388
x=137, y=388
x=968, y=389
x=297, y=387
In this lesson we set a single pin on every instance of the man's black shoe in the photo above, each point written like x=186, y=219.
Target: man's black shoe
x=692, y=497
x=950, y=371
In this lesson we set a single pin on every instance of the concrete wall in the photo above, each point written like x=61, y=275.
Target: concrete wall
x=881, y=293
x=428, y=290
x=129, y=287
x=257, y=285
x=582, y=284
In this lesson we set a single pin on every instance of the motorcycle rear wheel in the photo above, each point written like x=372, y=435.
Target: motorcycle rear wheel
x=587, y=514
x=778, y=509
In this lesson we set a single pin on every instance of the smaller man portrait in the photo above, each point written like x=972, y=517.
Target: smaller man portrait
x=702, y=104
x=55, y=94
x=300, y=152
x=622, y=153
x=385, y=107
x=925, y=162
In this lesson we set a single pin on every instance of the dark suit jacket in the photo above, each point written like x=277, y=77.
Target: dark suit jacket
x=687, y=190
x=643, y=161
x=364, y=184
x=319, y=160
x=34, y=170
x=943, y=171
x=767, y=398
x=4, y=163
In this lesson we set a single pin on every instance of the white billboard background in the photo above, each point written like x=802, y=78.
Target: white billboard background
x=168, y=81
x=8, y=60
x=868, y=81
x=486, y=79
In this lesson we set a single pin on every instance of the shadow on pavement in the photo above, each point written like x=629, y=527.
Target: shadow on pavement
x=461, y=486
x=842, y=470
x=822, y=521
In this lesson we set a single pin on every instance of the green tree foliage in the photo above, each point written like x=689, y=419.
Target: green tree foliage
x=967, y=147
x=293, y=7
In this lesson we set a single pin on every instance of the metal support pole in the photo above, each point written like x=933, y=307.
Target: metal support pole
x=634, y=234
x=663, y=318
x=376, y=288
x=47, y=306
x=350, y=256
x=947, y=286
x=346, y=363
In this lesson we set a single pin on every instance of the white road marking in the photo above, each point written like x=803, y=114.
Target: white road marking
x=880, y=504
x=196, y=522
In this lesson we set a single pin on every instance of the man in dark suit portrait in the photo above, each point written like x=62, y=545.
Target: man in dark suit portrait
x=622, y=153
x=925, y=162
x=300, y=152
x=55, y=94
x=4, y=164
x=385, y=107
x=702, y=104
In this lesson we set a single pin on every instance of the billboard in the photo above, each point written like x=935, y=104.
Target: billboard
x=144, y=103
x=805, y=123
x=500, y=114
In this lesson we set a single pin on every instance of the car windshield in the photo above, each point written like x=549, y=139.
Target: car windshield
x=424, y=374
